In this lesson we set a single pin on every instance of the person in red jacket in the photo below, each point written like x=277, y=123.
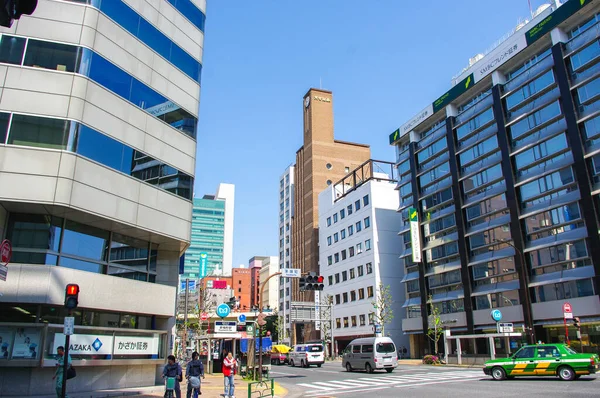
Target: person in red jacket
x=229, y=367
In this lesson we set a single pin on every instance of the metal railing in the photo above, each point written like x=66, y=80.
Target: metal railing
x=264, y=388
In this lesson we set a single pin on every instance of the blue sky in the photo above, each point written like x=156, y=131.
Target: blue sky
x=384, y=60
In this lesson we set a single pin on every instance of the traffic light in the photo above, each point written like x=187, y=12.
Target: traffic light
x=302, y=284
x=577, y=322
x=71, y=296
x=13, y=9
x=314, y=281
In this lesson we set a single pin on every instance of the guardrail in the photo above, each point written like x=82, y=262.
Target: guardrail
x=265, y=388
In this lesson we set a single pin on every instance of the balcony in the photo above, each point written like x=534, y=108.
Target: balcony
x=579, y=41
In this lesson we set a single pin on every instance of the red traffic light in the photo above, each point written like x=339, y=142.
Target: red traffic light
x=72, y=290
x=320, y=279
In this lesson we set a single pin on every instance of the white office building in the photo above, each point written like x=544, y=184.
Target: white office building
x=270, y=296
x=286, y=214
x=99, y=106
x=358, y=251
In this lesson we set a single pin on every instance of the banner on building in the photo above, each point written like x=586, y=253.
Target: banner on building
x=203, y=261
x=415, y=236
x=136, y=345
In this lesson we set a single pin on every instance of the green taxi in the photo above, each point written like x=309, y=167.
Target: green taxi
x=543, y=360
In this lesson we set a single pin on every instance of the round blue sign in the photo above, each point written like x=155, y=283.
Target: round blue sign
x=223, y=310
x=496, y=315
x=242, y=318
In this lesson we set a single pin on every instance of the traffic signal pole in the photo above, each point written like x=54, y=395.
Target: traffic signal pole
x=65, y=364
x=260, y=338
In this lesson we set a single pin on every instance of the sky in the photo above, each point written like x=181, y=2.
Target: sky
x=384, y=61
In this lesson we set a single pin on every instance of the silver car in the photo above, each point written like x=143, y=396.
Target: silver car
x=370, y=354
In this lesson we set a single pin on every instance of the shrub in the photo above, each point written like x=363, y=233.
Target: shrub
x=431, y=360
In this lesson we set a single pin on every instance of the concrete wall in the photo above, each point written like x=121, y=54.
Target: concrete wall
x=582, y=306
x=19, y=382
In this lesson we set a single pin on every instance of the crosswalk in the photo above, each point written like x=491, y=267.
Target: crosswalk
x=378, y=382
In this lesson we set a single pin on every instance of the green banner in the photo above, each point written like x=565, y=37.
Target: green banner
x=413, y=214
x=453, y=93
x=394, y=136
x=203, y=261
x=553, y=20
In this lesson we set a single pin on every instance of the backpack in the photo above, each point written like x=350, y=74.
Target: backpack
x=71, y=373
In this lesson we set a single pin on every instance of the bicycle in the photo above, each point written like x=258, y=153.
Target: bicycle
x=194, y=382
x=170, y=387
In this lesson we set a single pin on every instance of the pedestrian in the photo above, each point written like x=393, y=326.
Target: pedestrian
x=58, y=375
x=193, y=371
x=229, y=367
x=173, y=369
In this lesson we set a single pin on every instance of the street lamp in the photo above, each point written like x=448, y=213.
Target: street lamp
x=524, y=281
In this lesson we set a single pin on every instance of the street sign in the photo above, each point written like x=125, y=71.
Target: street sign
x=225, y=326
x=496, y=315
x=568, y=315
x=241, y=319
x=204, y=317
x=290, y=272
x=223, y=310
x=250, y=329
x=69, y=328
x=377, y=328
x=567, y=307
x=317, y=301
x=5, y=252
x=505, y=327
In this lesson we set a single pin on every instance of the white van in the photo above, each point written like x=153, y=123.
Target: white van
x=370, y=353
x=307, y=354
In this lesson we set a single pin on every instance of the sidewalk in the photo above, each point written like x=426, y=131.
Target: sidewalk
x=212, y=387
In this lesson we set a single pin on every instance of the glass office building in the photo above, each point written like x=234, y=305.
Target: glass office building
x=503, y=170
x=210, y=252
x=98, y=114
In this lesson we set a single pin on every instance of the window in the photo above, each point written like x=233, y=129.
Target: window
x=41, y=132
x=345, y=297
x=358, y=248
x=345, y=321
x=369, y=268
x=50, y=55
x=353, y=295
x=336, y=237
x=350, y=230
x=342, y=214
x=362, y=319
x=336, y=257
x=368, y=244
x=361, y=293
x=358, y=226
x=366, y=200
x=329, y=240
x=337, y=278
x=357, y=205
x=344, y=276
x=329, y=260
x=361, y=271
x=352, y=273
x=353, y=321
x=335, y=218
x=11, y=49
x=338, y=323
x=349, y=209
x=343, y=254
x=351, y=251
x=343, y=233
x=526, y=353
x=367, y=222
x=337, y=299
x=328, y=221
x=371, y=318
x=330, y=279
x=370, y=291
x=346, y=169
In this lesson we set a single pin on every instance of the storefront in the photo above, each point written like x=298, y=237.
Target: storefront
x=554, y=331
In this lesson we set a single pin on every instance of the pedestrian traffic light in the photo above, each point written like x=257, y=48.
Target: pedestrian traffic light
x=71, y=296
x=302, y=284
x=577, y=322
x=13, y=9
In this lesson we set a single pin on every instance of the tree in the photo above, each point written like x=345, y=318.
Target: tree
x=382, y=305
x=436, y=328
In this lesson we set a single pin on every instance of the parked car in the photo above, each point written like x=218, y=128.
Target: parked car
x=370, y=353
x=543, y=360
x=280, y=354
x=307, y=354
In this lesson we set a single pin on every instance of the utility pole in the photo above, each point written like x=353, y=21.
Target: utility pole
x=259, y=321
x=185, y=316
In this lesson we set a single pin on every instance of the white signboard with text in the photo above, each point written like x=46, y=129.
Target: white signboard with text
x=85, y=344
x=225, y=326
x=136, y=345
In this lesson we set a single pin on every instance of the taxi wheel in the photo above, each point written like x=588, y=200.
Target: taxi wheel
x=498, y=373
x=566, y=373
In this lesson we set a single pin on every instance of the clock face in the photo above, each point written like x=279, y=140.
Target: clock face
x=306, y=101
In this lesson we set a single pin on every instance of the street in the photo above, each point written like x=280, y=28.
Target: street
x=331, y=381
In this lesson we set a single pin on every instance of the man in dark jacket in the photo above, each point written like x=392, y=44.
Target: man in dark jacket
x=173, y=369
x=195, y=368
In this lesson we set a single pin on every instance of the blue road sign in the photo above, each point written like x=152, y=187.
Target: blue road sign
x=496, y=315
x=223, y=310
x=242, y=318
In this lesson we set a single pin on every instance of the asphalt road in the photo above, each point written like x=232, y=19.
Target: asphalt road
x=331, y=381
